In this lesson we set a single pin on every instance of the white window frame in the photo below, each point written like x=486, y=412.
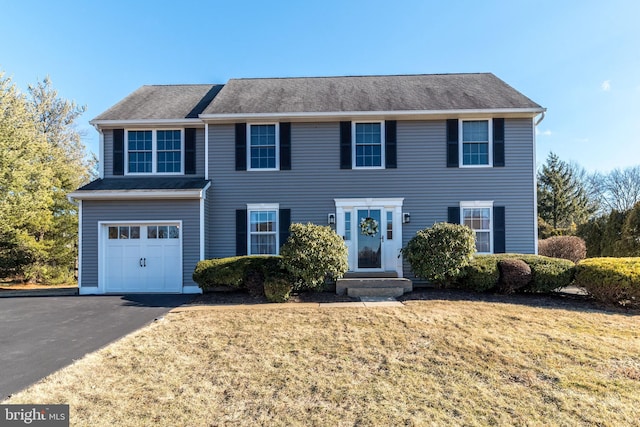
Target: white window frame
x=154, y=152
x=263, y=207
x=382, y=145
x=277, y=129
x=461, y=141
x=480, y=205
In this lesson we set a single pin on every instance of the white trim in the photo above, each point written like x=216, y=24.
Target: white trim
x=79, y=244
x=139, y=194
x=382, y=145
x=369, y=201
x=146, y=122
x=154, y=153
x=277, y=141
x=535, y=187
x=489, y=142
x=206, y=151
x=525, y=112
x=100, y=153
x=103, y=226
x=202, y=229
x=257, y=207
x=191, y=290
x=480, y=205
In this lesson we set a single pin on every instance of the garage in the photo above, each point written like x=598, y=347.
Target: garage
x=141, y=257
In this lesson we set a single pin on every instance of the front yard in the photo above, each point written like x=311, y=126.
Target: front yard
x=434, y=362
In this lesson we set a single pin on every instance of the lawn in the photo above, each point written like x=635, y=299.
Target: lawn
x=427, y=363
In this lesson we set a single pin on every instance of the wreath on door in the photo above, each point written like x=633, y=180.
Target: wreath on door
x=368, y=226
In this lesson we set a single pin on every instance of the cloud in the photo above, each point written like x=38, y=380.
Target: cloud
x=606, y=85
x=543, y=132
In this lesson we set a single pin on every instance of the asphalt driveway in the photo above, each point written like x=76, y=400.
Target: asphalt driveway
x=39, y=335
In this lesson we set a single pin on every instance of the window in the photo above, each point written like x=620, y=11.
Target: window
x=124, y=232
x=263, y=147
x=368, y=145
x=263, y=229
x=154, y=151
x=347, y=226
x=475, y=136
x=163, y=232
x=479, y=217
x=389, y=225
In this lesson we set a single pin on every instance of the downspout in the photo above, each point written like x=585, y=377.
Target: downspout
x=540, y=119
x=100, y=152
x=535, y=186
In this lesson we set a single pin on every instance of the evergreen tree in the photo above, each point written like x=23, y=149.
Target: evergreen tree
x=563, y=202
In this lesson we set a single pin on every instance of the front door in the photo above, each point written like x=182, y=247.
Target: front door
x=370, y=239
x=372, y=232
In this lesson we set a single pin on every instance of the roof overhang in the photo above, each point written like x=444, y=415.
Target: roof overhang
x=146, y=122
x=405, y=114
x=140, y=194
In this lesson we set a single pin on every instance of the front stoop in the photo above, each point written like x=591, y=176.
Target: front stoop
x=373, y=287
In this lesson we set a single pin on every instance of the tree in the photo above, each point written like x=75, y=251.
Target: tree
x=619, y=189
x=630, y=240
x=563, y=201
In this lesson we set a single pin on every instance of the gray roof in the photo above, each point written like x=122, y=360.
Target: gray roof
x=147, y=183
x=367, y=93
x=163, y=102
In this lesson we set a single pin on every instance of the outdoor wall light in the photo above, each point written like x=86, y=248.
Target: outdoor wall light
x=406, y=217
x=331, y=218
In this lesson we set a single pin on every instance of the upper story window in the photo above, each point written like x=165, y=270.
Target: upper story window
x=263, y=152
x=368, y=145
x=479, y=217
x=475, y=137
x=154, y=151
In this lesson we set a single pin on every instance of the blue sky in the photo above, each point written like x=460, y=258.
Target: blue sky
x=579, y=59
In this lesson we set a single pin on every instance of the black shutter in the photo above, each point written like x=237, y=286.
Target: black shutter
x=241, y=146
x=453, y=216
x=345, y=145
x=499, y=234
x=190, y=151
x=452, y=143
x=498, y=142
x=285, y=146
x=284, y=223
x=390, y=140
x=241, y=232
x=118, y=151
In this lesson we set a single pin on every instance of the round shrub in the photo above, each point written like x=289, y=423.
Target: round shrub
x=312, y=253
x=481, y=274
x=242, y=272
x=611, y=280
x=439, y=253
x=549, y=274
x=514, y=274
x=277, y=289
x=572, y=248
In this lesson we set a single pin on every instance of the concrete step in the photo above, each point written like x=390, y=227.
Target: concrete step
x=378, y=274
x=375, y=292
x=355, y=283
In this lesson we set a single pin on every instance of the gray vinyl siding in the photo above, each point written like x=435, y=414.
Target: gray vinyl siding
x=422, y=178
x=108, y=152
x=187, y=211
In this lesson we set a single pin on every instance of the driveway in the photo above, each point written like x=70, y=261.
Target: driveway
x=39, y=335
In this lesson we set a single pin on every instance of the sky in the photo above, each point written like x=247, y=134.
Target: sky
x=578, y=59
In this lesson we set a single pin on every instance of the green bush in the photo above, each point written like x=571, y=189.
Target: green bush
x=277, y=289
x=439, y=253
x=611, y=280
x=236, y=272
x=548, y=274
x=312, y=253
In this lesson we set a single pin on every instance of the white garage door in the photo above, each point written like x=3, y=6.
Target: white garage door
x=142, y=258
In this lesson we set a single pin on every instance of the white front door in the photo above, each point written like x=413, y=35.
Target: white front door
x=372, y=231
x=141, y=257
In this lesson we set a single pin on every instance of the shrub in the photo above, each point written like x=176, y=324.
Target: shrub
x=514, y=274
x=548, y=274
x=572, y=248
x=277, y=289
x=236, y=272
x=312, y=253
x=611, y=280
x=439, y=253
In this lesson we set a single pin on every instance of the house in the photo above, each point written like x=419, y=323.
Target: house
x=190, y=172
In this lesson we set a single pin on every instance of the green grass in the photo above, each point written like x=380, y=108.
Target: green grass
x=428, y=363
